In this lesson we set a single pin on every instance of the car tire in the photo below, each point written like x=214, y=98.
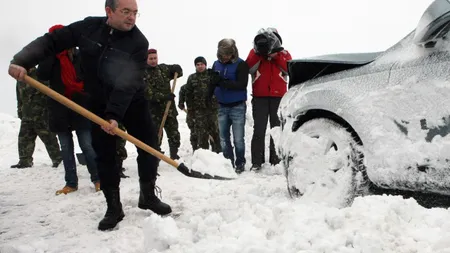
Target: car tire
x=324, y=164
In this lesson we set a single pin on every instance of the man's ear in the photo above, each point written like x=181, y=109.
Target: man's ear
x=108, y=11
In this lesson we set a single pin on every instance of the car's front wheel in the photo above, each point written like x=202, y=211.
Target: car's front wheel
x=323, y=163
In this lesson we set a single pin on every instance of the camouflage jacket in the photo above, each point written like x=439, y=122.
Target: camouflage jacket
x=31, y=103
x=197, y=91
x=158, y=83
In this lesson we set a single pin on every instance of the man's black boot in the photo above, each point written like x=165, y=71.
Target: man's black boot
x=22, y=165
x=174, y=153
x=121, y=169
x=114, y=214
x=149, y=200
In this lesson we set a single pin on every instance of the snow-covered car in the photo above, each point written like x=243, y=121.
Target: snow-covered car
x=352, y=121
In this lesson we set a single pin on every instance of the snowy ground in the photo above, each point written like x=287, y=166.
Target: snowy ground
x=252, y=213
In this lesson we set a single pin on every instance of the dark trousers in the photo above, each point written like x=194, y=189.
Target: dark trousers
x=138, y=122
x=264, y=109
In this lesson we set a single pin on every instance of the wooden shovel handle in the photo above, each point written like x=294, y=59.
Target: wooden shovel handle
x=96, y=119
x=166, y=112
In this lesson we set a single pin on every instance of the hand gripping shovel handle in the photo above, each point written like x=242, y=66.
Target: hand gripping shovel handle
x=96, y=119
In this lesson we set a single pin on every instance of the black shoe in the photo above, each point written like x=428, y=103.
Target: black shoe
x=274, y=160
x=174, y=157
x=21, y=165
x=240, y=168
x=256, y=167
x=122, y=175
x=174, y=154
x=56, y=163
x=149, y=200
x=114, y=214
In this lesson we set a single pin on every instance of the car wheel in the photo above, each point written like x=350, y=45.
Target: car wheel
x=324, y=163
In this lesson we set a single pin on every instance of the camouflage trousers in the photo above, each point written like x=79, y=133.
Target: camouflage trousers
x=28, y=132
x=190, y=121
x=170, y=127
x=206, y=128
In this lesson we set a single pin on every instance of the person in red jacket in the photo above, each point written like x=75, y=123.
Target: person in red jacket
x=268, y=68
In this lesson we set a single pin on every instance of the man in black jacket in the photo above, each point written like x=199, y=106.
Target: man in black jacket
x=114, y=58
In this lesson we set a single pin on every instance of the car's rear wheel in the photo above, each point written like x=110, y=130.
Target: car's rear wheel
x=324, y=163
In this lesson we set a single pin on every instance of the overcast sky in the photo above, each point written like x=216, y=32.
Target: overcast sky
x=182, y=30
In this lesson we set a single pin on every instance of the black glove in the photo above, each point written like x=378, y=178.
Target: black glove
x=170, y=96
x=181, y=106
x=276, y=50
x=177, y=68
x=214, y=77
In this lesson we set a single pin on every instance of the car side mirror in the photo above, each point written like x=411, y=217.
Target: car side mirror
x=434, y=24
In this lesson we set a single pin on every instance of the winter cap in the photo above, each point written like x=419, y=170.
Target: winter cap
x=55, y=27
x=227, y=47
x=152, y=51
x=200, y=59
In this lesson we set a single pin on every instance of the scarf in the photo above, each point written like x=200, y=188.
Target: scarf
x=68, y=74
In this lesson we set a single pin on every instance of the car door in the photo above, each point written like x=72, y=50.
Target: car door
x=419, y=88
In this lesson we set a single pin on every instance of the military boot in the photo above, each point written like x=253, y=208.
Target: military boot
x=22, y=165
x=174, y=153
x=114, y=213
x=149, y=200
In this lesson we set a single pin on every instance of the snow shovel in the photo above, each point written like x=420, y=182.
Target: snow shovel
x=166, y=112
x=96, y=119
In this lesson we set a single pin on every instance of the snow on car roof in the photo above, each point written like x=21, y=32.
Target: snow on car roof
x=358, y=58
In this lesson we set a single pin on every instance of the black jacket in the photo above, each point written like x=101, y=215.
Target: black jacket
x=61, y=118
x=113, y=62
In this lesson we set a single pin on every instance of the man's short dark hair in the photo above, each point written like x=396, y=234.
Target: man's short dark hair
x=112, y=4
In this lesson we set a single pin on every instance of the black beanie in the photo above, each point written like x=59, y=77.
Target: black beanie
x=200, y=59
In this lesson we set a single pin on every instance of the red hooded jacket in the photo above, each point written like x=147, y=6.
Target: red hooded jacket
x=269, y=77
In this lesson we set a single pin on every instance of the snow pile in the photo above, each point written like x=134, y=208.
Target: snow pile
x=372, y=224
x=208, y=162
x=160, y=233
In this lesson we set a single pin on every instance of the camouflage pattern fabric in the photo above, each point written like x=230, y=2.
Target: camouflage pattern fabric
x=204, y=111
x=32, y=110
x=158, y=89
x=189, y=116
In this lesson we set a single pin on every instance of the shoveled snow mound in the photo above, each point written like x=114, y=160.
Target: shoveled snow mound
x=205, y=161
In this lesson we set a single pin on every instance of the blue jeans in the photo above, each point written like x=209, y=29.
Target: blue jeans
x=67, y=150
x=234, y=118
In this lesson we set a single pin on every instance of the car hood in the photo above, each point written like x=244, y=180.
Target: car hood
x=302, y=70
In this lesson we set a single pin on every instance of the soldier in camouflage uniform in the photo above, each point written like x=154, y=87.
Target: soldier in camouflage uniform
x=157, y=77
x=32, y=110
x=189, y=116
x=121, y=152
x=205, y=110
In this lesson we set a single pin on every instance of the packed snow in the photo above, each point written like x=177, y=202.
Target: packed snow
x=252, y=213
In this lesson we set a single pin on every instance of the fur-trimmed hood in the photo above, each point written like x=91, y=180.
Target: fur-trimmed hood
x=227, y=47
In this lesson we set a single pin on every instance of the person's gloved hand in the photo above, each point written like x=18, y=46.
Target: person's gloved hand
x=177, y=68
x=170, y=96
x=181, y=106
x=214, y=77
